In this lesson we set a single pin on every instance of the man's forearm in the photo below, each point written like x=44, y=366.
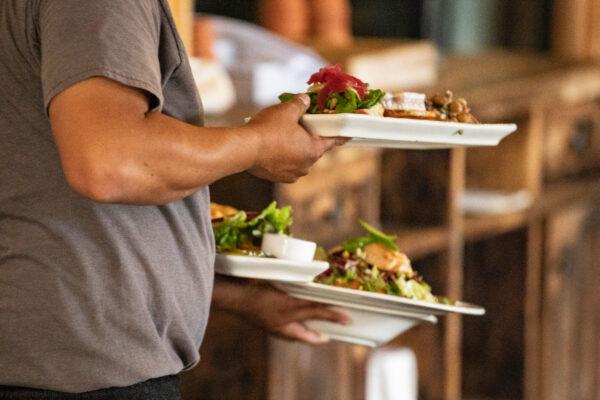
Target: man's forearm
x=113, y=150
x=229, y=294
x=177, y=158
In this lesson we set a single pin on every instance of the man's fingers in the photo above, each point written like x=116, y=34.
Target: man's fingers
x=331, y=142
x=320, y=312
x=298, y=331
x=341, y=140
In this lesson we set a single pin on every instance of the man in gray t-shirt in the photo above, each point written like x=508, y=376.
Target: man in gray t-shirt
x=106, y=248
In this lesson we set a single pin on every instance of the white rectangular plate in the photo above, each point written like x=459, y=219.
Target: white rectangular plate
x=405, y=133
x=329, y=294
x=268, y=268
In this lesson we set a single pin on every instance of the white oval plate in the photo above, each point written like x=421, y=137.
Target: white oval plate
x=268, y=268
x=370, y=326
x=405, y=133
x=377, y=300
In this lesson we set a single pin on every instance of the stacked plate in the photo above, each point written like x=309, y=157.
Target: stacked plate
x=272, y=269
x=376, y=318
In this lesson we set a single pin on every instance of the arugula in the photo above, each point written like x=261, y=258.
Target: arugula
x=372, y=97
x=236, y=230
x=374, y=235
x=312, y=109
x=346, y=102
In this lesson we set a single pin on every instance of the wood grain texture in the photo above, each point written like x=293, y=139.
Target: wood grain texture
x=453, y=328
x=533, y=304
x=233, y=362
x=572, y=141
x=570, y=318
x=495, y=277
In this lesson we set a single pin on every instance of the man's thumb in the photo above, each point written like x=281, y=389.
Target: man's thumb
x=300, y=104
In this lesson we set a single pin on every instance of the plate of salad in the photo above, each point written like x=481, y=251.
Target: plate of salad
x=371, y=271
x=343, y=105
x=240, y=239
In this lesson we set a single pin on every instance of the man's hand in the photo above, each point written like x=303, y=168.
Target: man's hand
x=287, y=151
x=273, y=310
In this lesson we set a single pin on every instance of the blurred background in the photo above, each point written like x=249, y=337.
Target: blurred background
x=455, y=25
x=514, y=228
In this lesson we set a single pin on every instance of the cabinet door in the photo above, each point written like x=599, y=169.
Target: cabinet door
x=571, y=305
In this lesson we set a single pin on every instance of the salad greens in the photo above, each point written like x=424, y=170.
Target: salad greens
x=237, y=232
x=374, y=235
x=373, y=263
x=334, y=91
x=345, y=102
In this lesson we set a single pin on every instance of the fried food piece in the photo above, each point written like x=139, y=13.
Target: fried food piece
x=439, y=107
x=386, y=259
x=220, y=211
x=429, y=115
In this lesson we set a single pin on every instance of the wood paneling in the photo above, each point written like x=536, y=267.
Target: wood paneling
x=572, y=140
x=571, y=304
x=495, y=277
x=233, y=364
x=576, y=29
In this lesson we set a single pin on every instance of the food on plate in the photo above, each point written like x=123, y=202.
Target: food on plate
x=219, y=211
x=407, y=105
x=439, y=107
x=374, y=263
x=332, y=91
x=242, y=234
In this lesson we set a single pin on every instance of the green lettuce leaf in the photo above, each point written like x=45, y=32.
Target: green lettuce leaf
x=379, y=236
x=230, y=232
x=235, y=231
x=371, y=98
x=285, y=97
x=346, y=102
x=374, y=235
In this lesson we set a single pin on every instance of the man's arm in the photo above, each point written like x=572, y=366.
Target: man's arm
x=272, y=310
x=114, y=150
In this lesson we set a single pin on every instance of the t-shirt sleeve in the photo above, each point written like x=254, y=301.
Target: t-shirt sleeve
x=111, y=38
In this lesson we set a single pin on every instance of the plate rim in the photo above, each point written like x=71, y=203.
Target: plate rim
x=271, y=260
x=415, y=315
x=275, y=269
x=410, y=121
x=461, y=308
x=386, y=132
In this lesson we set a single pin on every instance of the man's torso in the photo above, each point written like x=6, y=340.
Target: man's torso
x=91, y=295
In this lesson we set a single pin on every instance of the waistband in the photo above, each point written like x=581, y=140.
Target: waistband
x=163, y=388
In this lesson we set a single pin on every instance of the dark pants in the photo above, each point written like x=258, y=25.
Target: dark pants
x=165, y=388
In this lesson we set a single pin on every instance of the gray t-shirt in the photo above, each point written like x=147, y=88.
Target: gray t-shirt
x=93, y=295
